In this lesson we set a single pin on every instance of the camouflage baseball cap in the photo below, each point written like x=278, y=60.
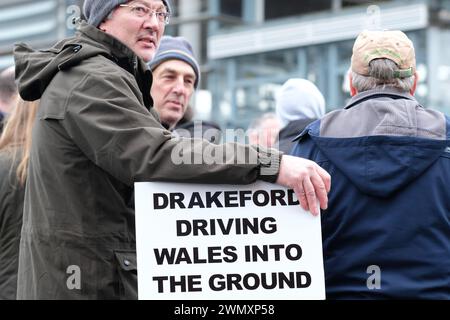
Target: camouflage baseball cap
x=392, y=45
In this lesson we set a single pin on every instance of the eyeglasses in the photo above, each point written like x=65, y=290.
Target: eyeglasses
x=143, y=11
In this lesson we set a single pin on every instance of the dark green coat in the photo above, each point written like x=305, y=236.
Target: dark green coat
x=95, y=135
x=11, y=211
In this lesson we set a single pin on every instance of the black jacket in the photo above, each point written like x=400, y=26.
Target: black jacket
x=2, y=117
x=11, y=210
x=289, y=132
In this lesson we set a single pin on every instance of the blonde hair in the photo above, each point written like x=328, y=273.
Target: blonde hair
x=16, y=136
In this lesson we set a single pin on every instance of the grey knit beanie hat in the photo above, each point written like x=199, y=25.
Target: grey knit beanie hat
x=177, y=48
x=95, y=11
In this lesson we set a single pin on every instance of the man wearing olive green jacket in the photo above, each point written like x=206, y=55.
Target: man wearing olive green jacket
x=95, y=135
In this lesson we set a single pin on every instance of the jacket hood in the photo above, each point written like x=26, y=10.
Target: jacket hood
x=380, y=165
x=35, y=69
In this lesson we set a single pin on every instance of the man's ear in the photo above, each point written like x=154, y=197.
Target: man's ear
x=102, y=26
x=353, y=91
x=414, y=87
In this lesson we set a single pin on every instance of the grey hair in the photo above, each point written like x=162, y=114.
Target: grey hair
x=381, y=75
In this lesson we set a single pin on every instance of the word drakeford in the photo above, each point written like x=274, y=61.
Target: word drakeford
x=224, y=199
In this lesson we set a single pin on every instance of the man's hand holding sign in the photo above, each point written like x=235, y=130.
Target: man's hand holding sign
x=309, y=181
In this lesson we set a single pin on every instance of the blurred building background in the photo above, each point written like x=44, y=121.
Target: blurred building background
x=248, y=48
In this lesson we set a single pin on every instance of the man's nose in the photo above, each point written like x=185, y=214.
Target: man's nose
x=179, y=86
x=152, y=22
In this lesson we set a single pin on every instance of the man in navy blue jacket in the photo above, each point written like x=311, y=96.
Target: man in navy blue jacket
x=386, y=233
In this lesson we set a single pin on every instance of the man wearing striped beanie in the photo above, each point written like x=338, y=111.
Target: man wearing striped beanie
x=175, y=77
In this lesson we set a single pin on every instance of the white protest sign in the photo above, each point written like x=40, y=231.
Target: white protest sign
x=223, y=242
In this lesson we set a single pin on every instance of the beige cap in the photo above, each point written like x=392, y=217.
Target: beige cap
x=393, y=45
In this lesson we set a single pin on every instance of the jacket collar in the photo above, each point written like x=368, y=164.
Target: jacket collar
x=390, y=92
x=115, y=46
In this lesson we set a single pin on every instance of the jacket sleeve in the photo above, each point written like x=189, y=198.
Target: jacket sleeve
x=106, y=119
